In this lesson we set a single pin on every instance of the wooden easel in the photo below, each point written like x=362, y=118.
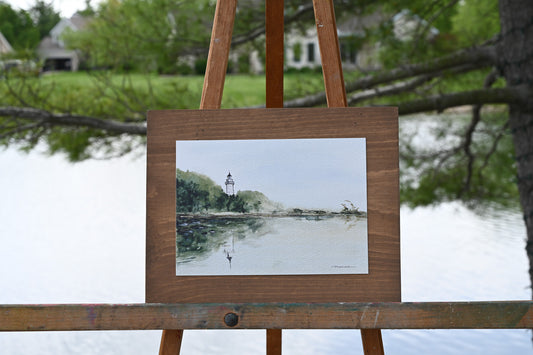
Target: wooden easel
x=212, y=97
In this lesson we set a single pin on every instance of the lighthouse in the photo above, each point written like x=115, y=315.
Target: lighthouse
x=230, y=185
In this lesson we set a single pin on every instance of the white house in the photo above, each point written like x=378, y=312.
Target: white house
x=52, y=49
x=303, y=48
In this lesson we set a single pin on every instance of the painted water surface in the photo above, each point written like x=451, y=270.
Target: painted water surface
x=272, y=245
x=271, y=207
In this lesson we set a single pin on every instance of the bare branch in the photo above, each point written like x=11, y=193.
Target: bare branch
x=478, y=57
x=392, y=89
x=467, y=144
x=260, y=29
x=52, y=119
x=427, y=24
x=476, y=97
x=400, y=87
x=20, y=129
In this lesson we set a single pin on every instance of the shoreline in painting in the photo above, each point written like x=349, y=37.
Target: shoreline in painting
x=316, y=214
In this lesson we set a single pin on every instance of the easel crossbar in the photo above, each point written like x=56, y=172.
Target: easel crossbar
x=392, y=315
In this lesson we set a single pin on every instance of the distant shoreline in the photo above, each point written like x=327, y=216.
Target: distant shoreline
x=235, y=215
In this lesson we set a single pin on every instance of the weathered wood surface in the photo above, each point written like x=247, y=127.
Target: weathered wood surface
x=379, y=126
x=328, y=42
x=372, y=341
x=171, y=342
x=274, y=27
x=390, y=315
x=217, y=59
x=274, y=38
x=273, y=341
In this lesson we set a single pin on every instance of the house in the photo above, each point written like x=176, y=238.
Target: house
x=52, y=51
x=5, y=47
x=303, y=49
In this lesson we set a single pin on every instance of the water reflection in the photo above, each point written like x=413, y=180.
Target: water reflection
x=448, y=253
x=264, y=245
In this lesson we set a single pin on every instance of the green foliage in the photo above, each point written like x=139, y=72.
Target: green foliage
x=196, y=193
x=44, y=17
x=128, y=37
x=299, y=83
x=143, y=35
x=435, y=167
x=200, y=65
x=103, y=95
x=18, y=28
x=476, y=21
x=88, y=11
x=243, y=64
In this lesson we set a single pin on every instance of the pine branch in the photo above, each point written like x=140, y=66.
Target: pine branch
x=66, y=119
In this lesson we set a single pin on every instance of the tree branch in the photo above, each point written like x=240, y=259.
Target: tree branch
x=403, y=86
x=469, y=135
x=479, y=56
x=260, y=30
x=476, y=97
x=66, y=119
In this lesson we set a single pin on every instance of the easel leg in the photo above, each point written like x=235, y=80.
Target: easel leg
x=372, y=342
x=217, y=59
x=274, y=36
x=274, y=22
x=336, y=96
x=171, y=342
x=330, y=55
x=215, y=75
x=273, y=341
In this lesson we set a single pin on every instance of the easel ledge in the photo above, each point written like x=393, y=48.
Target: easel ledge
x=386, y=315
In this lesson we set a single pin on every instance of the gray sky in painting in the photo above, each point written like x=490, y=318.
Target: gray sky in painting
x=305, y=173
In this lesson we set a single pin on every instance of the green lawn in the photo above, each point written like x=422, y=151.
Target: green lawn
x=130, y=96
x=116, y=95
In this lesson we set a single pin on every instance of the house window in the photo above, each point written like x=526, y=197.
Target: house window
x=297, y=52
x=311, y=52
x=348, y=47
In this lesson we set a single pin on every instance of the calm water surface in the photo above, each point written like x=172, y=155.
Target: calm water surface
x=76, y=234
x=275, y=246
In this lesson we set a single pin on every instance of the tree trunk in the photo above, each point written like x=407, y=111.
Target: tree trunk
x=516, y=64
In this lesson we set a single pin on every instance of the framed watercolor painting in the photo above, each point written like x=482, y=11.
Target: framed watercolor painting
x=273, y=205
x=291, y=207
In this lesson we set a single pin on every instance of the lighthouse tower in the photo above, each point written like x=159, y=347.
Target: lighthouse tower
x=230, y=185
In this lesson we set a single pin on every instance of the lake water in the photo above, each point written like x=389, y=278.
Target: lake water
x=273, y=245
x=76, y=234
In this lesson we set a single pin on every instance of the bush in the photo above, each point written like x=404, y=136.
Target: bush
x=199, y=66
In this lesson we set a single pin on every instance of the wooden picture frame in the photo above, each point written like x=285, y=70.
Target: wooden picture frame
x=379, y=126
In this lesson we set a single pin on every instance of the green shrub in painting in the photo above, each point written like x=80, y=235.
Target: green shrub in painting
x=197, y=193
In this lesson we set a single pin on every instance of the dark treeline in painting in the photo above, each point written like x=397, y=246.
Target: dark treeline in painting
x=197, y=193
